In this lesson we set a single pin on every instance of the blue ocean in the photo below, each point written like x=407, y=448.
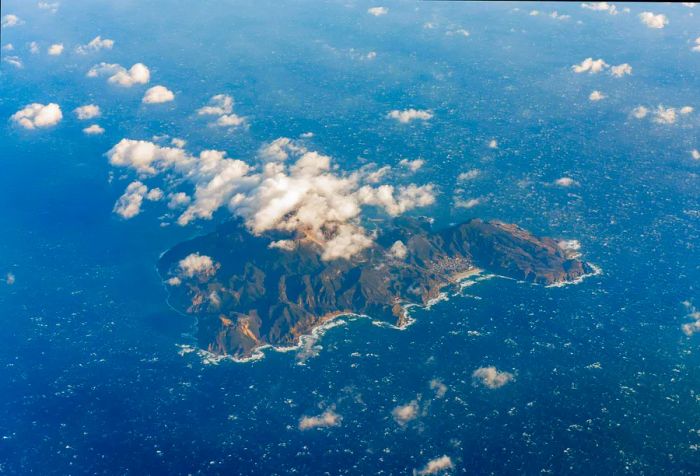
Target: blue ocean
x=99, y=375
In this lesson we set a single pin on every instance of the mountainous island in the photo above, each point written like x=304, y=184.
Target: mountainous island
x=247, y=291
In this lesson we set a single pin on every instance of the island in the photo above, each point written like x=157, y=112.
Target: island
x=250, y=291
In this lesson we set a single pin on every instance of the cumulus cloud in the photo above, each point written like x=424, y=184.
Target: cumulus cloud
x=565, y=182
x=304, y=197
x=493, y=144
x=10, y=20
x=178, y=200
x=157, y=95
x=438, y=387
x=38, y=115
x=665, y=115
x=10, y=279
x=327, y=419
x=93, y=130
x=412, y=165
x=692, y=327
x=491, y=377
x=398, y=250
x=468, y=203
x=601, y=7
x=287, y=245
x=96, y=44
x=8, y=47
x=696, y=48
x=695, y=154
x=435, y=466
x=640, y=112
x=409, y=115
x=405, y=413
x=596, y=96
x=196, y=265
x=56, y=49
x=468, y=175
x=378, y=11
x=14, y=61
x=590, y=65
x=662, y=114
x=653, y=21
x=620, y=70
x=34, y=47
x=87, y=111
x=129, y=204
x=137, y=74
x=221, y=105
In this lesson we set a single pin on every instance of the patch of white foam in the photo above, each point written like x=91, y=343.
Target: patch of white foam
x=596, y=271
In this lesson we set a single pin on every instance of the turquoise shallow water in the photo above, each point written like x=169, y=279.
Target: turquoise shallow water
x=605, y=381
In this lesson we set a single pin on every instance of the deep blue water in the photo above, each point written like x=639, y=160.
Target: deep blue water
x=606, y=382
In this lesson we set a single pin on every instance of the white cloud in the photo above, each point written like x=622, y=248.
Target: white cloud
x=491, y=377
x=93, y=130
x=87, y=111
x=221, y=105
x=405, y=413
x=640, y=112
x=10, y=20
x=174, y=281
x=287, y=245
x=601, y=7
x=439, y=388
x=38, y=115
x=557, y=16
x=437, y=465
x=305, y=198
x=129, y=204
x=55, y=49
x=596, y=96
x=692, y=327
x=493, y=144
x=10, y=279
x=178, y=142
x=157, y=95
x=34, y=47
x=620, y=70
x=689, y=4
x=137, y=74
x=14, y=61
x=96, y=44
x=695, y=153
x=412, y=165
x=8, y=47
x=154, y=195
x=196, y=265
x=398, y=250
x=686, y=110
x=653, y=21
x=378, y=11
x=178, y=200
x=52, y=7
x=458, y=32
x=665, y=115
x=409, y=115
x=696, y=48
x=590, y=65
x=565, y=182
x=327, y=419
x=468, y=175
x=469, y=203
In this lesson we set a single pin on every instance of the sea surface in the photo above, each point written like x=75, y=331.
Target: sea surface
x=94, y=378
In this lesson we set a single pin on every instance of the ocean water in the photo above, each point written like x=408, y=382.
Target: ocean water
x=93, y=379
